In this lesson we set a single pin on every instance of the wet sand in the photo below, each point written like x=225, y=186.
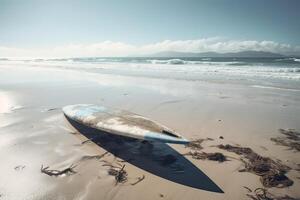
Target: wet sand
x=34, y=132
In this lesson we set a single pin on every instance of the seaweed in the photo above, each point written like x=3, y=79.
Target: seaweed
x=209, y=156
x=54, y=172
x=276, y=179
x=97, y=157
x=272, y=172
x=263, y=194
x=290, y=134
x=139, y=180
x=86, y=141
x=119, y=173
x=291, y=139
x=197, y=144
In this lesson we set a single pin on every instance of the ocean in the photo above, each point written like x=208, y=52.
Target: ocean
x=271, y=73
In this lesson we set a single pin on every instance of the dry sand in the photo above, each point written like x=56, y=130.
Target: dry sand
x=34, y=132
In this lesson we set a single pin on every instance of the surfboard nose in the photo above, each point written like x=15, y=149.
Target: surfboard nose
x=165, y=138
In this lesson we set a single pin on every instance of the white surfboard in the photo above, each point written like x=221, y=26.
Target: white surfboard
x=120, y=122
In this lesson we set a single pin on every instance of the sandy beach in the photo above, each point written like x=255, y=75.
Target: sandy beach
x=34, y=132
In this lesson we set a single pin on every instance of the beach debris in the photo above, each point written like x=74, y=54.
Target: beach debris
x=197, y=144
x=86, y=141
x=263, y=194
x=249, y=190
x=119, y=173
x=291, y=134
x=272, y=172
x=19, y=167
x=54, y=172
x=291, y=139
x=221, y=137
x=276, y=179
x=49, y=109
x=139, y=180
x=209, y=156
x=96, y=157
x=161, y=195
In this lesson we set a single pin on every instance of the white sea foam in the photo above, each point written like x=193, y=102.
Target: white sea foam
x=274, y=88
x=170, y=61
x=288, y=59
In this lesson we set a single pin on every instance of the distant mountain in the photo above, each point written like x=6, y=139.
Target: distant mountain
x=241, y=54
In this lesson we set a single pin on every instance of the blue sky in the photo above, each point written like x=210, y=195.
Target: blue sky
x=138, y=23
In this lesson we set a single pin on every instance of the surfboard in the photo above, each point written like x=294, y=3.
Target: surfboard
x=121, y=122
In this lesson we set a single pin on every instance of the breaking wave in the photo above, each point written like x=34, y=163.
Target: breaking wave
x=283, y=68
x=291, y=60
x=170, y=61
x=204, y=61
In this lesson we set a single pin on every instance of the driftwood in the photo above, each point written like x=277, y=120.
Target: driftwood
x=263, y=194
x=53, y=172
x=209, y=156
x=272, y=173
x=139, y=180
x=291, y=139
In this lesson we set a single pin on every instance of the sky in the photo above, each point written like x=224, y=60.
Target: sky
x=41, y=28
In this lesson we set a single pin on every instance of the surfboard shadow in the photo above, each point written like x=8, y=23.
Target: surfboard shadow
x=157, y=158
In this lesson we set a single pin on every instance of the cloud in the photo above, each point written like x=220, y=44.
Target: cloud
x=110, y=48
